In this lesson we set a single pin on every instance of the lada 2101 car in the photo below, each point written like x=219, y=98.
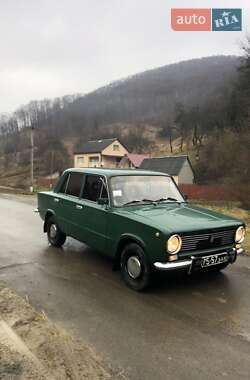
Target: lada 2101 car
x=140, y=219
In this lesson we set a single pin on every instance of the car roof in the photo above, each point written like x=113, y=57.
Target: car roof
x=114, y=172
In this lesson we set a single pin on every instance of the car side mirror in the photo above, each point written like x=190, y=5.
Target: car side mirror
x=185, y=196
x=102, y=201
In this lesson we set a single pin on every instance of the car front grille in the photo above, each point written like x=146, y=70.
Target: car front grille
x=207, y=240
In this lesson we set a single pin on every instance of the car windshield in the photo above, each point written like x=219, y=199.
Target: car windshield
x=141, y=189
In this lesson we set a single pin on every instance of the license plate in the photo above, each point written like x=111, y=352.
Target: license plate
x=208, y=261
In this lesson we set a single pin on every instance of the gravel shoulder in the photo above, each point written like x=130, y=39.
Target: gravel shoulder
x=32, y=347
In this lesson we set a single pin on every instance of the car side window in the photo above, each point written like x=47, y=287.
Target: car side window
x=63, y=186
x=94, y=188
x=74, y=184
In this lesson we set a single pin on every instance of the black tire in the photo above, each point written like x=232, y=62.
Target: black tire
x=55, y=236
x=135, y=269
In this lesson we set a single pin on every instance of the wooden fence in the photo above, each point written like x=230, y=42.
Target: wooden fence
x=208, y=193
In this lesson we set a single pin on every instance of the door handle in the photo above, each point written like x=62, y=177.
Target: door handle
x=56, y=200
x=79, y=207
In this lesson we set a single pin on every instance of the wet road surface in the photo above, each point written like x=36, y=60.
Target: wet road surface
x=184, y=328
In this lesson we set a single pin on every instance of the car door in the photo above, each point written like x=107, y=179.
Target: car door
x=58, y=203
x=65, y=202
x=70, y=205
x=93, y=216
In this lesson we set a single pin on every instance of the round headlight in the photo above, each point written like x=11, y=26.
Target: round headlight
x=240, y=234
x=174, y=244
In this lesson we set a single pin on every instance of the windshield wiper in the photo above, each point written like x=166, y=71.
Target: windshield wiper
x=151, y=201
x=139, y=201
x=166, y=199
x=131, y=202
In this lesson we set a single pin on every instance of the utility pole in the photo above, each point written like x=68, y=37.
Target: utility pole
x=51, y=168
x=31, y=159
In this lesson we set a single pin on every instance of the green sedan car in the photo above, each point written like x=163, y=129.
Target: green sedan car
x=141, y=220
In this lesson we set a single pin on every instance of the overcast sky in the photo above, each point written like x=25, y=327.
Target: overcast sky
x=50, y=48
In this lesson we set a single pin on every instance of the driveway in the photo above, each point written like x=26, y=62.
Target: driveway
x=185, y=328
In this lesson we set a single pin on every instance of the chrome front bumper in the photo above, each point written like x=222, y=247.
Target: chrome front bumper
x=174, y=265
x=187, y=264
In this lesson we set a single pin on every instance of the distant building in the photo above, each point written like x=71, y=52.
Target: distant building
x=131, y=160
x=105, y=153
x=178, y=167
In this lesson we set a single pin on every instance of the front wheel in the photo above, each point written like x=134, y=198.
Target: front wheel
x=135, y=268
x=55, y=236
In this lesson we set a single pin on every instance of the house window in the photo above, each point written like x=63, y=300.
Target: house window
x=116, y=147
x=117, y=161
x=94, y=160
x=80, y=160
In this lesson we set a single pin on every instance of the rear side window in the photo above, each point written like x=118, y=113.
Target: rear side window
x=94, y=188
x=64, y=183
x=74, y=184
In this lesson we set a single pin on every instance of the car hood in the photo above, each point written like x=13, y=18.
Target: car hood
x=180, y=217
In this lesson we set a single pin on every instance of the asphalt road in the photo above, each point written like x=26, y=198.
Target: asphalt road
x=184, y=328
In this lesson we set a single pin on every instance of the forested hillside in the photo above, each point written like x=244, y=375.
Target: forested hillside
x=226, y=155
x=149, y=96
x=152, y=95
x=199, y=106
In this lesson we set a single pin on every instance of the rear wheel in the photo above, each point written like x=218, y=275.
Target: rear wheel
x=55, y=236
x=135, y=268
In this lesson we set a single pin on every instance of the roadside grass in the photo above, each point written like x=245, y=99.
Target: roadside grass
x=231, y=209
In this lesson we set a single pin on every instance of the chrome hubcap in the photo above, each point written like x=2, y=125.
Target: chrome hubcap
x=53, y=231
x=134, y=267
